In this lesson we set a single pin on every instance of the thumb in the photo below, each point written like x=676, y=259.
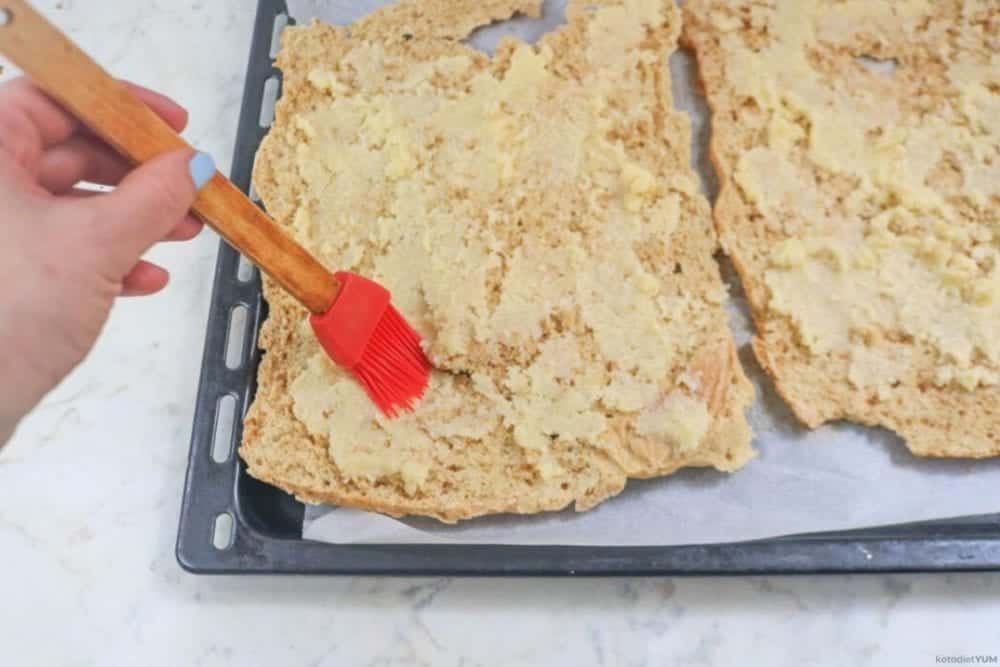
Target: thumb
x=149, y=202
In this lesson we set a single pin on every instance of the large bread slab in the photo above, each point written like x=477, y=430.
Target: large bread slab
x=536, y=219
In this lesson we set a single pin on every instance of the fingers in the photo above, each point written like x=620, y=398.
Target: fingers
x=21, y=99
x=144, y=279
x=164, y=107
x=147, y=206
x=83, y=157
x=187, y=229
x=80, y=158
x=31, y=122
x=54, y=125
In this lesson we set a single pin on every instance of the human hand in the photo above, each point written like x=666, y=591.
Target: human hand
x=67, y=254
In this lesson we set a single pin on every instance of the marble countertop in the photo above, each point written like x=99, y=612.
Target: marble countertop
x=91, y=491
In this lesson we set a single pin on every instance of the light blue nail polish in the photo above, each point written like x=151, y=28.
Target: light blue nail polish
x=202, y=168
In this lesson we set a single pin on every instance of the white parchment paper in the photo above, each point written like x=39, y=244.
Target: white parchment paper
x=833, y=478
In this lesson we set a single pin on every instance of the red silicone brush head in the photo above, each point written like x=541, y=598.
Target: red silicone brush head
x=363, y=333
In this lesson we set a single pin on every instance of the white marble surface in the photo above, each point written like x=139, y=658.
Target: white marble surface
x=91, y=488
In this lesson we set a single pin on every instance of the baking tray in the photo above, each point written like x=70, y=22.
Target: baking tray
x=233, y=524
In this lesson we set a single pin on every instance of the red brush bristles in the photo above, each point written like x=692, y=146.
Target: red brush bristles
x=363, y=333
x=393, y=368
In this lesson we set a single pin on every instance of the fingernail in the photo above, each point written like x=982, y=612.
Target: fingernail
x=202, y=168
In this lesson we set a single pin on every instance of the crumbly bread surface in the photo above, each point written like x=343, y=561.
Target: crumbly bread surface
x=861, y=205
x=536, y=220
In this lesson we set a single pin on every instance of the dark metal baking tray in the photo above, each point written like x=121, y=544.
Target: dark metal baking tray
x=266, y=523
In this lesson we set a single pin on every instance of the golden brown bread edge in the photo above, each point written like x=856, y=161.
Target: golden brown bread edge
x=721, y=372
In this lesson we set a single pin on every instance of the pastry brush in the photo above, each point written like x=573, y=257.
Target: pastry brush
x=351, y=316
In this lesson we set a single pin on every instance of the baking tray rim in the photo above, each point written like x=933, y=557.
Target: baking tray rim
x=210, y=488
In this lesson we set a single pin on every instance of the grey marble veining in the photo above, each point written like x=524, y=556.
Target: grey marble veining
x=91, y=490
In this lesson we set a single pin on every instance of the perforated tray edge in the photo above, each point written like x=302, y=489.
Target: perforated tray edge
x=971, y=543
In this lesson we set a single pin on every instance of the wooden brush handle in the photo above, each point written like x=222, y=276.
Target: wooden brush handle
x=105, y=105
